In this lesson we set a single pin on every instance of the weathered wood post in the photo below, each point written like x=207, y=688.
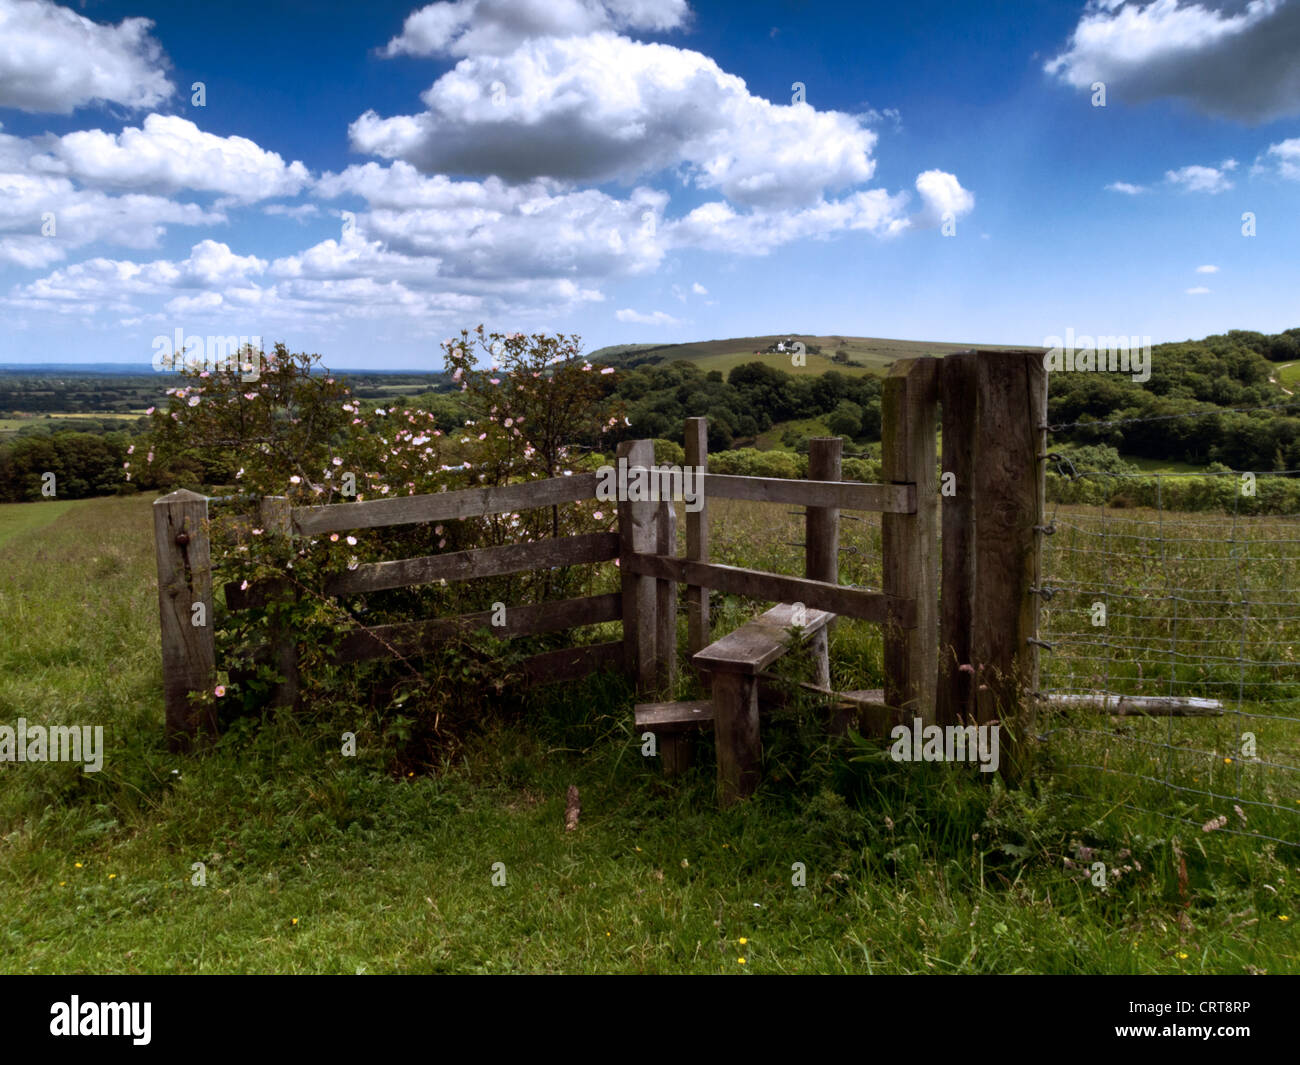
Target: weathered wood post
x=822, y=540
x=185, y=612
x=697, y=536
x=1011, y=411
x=638, y=535
x=909, y=542
x=994, y=413
x=956, y=686
x=277, y=519
x=736, y=733
x=666, y=602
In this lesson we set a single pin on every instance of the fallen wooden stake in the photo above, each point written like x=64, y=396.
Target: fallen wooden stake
x=1148, y=705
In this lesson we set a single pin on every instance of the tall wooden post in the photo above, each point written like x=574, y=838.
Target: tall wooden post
x=666, y=602
x=697, y=537
x=277, y=519
x=822, y=539
x=909, y=542
x=1011, y=407
x=956, y=686
x=185, y=612
x=638, y=536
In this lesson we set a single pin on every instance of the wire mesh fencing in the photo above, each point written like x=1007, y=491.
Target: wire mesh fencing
x=1170, y=665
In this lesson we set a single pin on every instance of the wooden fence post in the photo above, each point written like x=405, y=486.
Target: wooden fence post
x=697, y=536
x=1011, y=405
x=956, y=687
x=277, y=519
x=822, y=540
x=184, y=584
x=638, y=536
x=666, y=602
x=909, y=542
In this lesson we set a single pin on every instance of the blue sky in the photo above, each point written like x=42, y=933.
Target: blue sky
x=640, y=170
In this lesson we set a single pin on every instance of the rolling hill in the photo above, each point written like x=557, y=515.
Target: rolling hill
x=866, y=355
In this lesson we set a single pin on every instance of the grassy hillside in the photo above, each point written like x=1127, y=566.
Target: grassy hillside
x=873, y=354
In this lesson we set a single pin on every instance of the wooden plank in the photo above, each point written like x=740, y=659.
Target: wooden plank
x=1007, y=507
x=736, y=738
x=909, y=541
x=774, y=587
x=846, y=495
x=410, y=638
x=1136, y=705
x=444, y=506
x=573, y=663
x=480, y=562
x=822, y=540
x=184, y=562
x=637, y=536
x=697, y=537
x=956, y=689
x=758, y=644
x=669, y=717
x=276, y=517
x=666, y=602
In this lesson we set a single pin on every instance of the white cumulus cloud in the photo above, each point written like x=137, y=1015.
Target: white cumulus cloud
x=1231, y=59
x=171, y=153
x=54, y=60
x=495, y=27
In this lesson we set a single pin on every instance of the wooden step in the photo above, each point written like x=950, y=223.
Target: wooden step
x=674, y=717
x=755, y=646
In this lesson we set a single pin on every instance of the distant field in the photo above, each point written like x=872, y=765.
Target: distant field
x=771, y=440
x=19, y=518
x=873, y=353
x=1288, y=374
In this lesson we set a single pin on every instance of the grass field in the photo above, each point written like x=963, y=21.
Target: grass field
x=1288, y=375
x=319, y=863
x=17, y=519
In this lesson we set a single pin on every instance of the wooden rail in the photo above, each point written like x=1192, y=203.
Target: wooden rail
x=444, y=506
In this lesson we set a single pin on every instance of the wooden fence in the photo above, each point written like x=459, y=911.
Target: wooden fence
x=973, y=604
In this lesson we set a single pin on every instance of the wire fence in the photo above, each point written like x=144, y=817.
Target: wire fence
x=1147, y=611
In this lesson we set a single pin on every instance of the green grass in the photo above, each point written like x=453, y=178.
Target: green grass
x=18, y=519
x=1288, y=375
x=916, y=869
